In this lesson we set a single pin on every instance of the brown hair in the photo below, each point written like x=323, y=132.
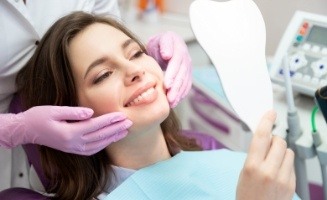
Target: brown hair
x=47, y=79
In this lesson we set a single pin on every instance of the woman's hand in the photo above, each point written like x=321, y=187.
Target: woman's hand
x=268, y=172
x=171, y=53
x=50, y=126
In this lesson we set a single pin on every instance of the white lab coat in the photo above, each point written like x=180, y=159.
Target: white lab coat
x=20, y=27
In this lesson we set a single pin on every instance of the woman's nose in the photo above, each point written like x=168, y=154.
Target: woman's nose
x=133, y=75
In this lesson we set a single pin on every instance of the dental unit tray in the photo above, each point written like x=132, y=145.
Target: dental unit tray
x=305, y=43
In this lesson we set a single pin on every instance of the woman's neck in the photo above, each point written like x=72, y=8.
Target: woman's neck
x=139, y=150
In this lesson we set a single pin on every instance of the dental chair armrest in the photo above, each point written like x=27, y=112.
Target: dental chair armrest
x=21, y=193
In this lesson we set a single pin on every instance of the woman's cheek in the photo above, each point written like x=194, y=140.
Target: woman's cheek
x=101, y=101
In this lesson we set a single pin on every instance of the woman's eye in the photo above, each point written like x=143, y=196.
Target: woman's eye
x=137, y=54
x=102, y=77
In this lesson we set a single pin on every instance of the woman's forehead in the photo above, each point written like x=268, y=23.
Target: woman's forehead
x=107, y=30
x=98, y=36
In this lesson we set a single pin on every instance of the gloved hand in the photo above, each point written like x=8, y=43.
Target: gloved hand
x=47, y=125
x=171, y=53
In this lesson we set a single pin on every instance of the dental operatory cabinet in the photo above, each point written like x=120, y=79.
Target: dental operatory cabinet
x=297, y=28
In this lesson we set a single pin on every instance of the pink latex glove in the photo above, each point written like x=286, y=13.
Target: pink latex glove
x=47, y=125
x=171, y=53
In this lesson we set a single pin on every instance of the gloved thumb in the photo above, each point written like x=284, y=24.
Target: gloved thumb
x=166, y=44
x=59, y=113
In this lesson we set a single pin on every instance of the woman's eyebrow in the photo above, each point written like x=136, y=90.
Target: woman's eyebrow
x=101, y=60
x=127, y=43
x=95, y=63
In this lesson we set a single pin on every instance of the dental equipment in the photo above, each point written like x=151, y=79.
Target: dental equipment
x=305, y=42
x=321, y=100
x=320, y=145
x=233, y=35
x=293, y=135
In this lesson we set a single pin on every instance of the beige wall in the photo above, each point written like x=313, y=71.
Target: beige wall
x=276, y=13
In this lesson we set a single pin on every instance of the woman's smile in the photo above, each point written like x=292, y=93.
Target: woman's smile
x=146, y=97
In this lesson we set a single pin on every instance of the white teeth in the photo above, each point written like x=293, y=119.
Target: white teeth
x=145, y=94
x=151, y=90
x=141, y=97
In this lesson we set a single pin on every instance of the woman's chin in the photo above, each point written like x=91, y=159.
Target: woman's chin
x=148, y=122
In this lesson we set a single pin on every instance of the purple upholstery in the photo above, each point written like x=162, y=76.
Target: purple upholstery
x=199, y=98
x=21, y=194
x=207, y=142
x=33, y=157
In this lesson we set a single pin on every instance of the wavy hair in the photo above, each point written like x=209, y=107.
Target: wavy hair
x=47, y=79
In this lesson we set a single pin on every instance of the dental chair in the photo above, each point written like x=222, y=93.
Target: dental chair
x=37, y=177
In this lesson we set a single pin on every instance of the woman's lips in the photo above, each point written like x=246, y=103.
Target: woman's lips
x=143, y=95
x=146, y=97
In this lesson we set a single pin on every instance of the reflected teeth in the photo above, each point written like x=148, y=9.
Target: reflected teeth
x=141, y=97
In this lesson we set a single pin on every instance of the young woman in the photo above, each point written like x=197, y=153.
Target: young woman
x=90, y=61
x=23, y=23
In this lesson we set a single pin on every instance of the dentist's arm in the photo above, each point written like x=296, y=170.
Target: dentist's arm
x=268, y=173
x=50, y=126
x=171, y=53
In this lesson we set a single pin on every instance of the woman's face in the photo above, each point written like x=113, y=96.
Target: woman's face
x=112, y=74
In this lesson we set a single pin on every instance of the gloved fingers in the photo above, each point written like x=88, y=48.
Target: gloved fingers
x=185, y=74
x=153, y=49
x=172, y=95
x=174, y=65
x=97, y=123
x=107, y=131
x=94, y=147
x=180, y=85
x=64, y=113
x=6, y=145
x=154, y=39
x=167, y=45
x=183, y=92
x=187, y=83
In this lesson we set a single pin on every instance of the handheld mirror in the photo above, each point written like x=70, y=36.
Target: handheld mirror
x=233, y=35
